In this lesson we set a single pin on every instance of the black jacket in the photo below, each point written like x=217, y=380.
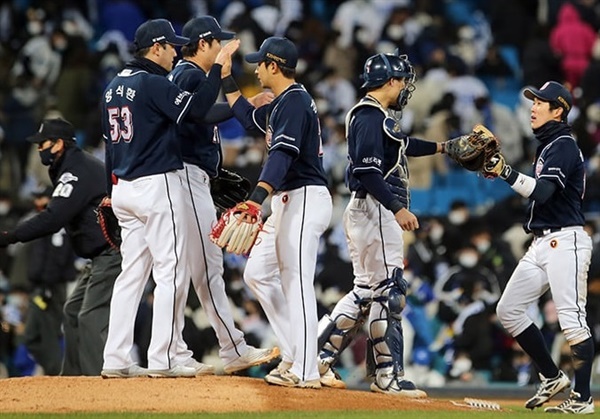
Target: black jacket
x=79, y=184
x=51, y=260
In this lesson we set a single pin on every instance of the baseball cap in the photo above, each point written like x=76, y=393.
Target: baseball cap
x=157, y=30
x=551, y=91
x=53, y=129
x=276, y=49
x=205, y=27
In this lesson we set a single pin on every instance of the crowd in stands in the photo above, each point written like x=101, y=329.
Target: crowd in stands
x=473, y=59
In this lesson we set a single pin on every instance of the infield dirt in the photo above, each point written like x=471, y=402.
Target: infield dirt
x=204, y=394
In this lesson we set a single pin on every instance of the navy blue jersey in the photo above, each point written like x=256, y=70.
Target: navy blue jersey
x=368, y=147
x=561, y=162
x=140, y=113
x=200, y=141
x=377, y=146
x=292, y=125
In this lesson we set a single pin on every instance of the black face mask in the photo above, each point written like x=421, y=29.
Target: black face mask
x=47, y=156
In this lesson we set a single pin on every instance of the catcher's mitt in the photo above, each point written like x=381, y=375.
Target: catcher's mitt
x=238, y=227
x=109, y=223
x=472, y=151
x=229, y=188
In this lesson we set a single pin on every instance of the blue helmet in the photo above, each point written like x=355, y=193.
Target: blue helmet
x=380, y=68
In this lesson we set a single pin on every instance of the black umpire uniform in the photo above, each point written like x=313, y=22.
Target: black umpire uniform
x=51, y=265
x=79, y=182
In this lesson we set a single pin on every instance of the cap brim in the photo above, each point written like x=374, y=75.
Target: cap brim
x=225, y=36
x=531, y=93
x=36, y=138
x=179, y=41
x=254, y=57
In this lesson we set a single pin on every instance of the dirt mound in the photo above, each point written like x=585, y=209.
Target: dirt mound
x=204, y=394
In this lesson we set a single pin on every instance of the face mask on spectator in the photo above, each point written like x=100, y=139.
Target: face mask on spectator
x=4, y=207
x=34, y=27
x=395, y=32
x=436, y=233
x=457, y=217
x=468, y=259
x=483, y=246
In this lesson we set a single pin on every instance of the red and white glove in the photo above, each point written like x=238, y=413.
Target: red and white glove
x=238, y=227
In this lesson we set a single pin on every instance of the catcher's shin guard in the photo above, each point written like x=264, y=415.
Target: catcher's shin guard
x=385, y=327
x=335, y=334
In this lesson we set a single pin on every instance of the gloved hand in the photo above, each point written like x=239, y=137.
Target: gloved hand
x=496, y=167
x=6, y=238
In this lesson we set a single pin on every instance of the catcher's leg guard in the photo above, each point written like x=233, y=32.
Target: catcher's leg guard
x=387, y=341
x=336, y=331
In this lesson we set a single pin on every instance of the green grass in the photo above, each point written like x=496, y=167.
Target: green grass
x=514, y=412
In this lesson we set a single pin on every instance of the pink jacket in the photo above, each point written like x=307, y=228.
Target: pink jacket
x=573, y=40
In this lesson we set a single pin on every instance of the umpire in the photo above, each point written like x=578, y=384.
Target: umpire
x=50, y=266
x=79, y=182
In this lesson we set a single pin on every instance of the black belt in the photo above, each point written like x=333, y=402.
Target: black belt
x=361, y=194
x=543, y=232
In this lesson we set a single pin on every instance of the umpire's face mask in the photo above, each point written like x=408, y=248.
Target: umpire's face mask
x=46, y=155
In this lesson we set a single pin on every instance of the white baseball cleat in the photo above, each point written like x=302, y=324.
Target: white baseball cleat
x=282, y=367
x=201, y=369
x=549, y=387
x=399, y=388
x=129, y=372
x=250, y=358
x=289, y=379
x=331, y=379
x=175, y=372
x=574, y=405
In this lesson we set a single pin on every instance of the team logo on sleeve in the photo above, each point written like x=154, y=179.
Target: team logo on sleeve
x=269, y=136
x=539, y=165
x=181, y=96
x=67, y=177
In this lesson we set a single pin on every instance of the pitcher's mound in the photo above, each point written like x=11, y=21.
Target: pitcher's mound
x=203, y=394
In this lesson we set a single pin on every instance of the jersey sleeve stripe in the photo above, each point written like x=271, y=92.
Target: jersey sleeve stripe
x=286, y=145
x=184, y=110
x=553, y=177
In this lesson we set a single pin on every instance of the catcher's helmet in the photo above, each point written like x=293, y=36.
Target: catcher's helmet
x=381, y=67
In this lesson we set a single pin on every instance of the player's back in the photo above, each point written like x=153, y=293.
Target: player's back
x=140, y=112
x=296, y=127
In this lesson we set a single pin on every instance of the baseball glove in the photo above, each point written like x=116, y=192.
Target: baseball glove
x=473, y=150
x=229, y=188
x=109, y=223
x=238, y=227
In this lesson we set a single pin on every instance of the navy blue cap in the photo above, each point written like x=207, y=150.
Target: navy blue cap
x=53, y=129
x=551, y=91
x=205, y=27
x=279, y=50
x=157, y=30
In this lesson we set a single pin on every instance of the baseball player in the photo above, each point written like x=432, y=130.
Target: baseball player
x=79, y=184
x=140, y=113
x=281, y=266
x=559, y=256
x=378, y=212
x=202, y=157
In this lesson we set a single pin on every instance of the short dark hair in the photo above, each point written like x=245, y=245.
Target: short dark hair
x=288, y=73
x=557, y=105
x=141, y=53
x=191, y=49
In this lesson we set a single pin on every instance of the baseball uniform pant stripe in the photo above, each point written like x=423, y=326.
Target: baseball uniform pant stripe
x=383, y=246
x=300, y=252
x=175, y=268
x=206, y=274
x=154, y=240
